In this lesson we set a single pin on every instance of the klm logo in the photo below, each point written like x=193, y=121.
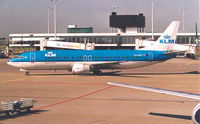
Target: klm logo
x=50, y=54
x=167, y=40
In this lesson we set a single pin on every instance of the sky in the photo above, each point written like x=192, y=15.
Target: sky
x=30, y=16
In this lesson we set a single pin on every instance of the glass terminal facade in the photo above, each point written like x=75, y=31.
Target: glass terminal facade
x=101, y=40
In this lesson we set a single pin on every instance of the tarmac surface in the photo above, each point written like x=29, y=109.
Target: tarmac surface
x=63, y=98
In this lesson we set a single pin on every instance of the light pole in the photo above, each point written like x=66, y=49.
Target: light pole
x=115, y=10
x=183, y=18
x=199, y=15
x=152, y=19
x=49, y=9
x=54, y=6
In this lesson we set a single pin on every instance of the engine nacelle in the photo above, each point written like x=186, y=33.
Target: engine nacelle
x=80, y=69
x=196, y=114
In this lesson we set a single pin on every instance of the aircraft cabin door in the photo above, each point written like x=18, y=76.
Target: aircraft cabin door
x=150, y=56
x=84, y=58
x=32, y=57
x=89, y=58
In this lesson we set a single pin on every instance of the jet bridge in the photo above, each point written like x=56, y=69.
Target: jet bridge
x=44, y=43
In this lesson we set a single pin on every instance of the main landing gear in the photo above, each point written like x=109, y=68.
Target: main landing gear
x=97, y=72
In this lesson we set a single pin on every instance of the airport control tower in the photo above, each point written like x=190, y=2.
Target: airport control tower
x=128, y=23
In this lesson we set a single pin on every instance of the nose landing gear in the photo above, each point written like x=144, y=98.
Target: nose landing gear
x=27, y=73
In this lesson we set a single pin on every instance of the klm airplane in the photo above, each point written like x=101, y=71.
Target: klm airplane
x=86, y=61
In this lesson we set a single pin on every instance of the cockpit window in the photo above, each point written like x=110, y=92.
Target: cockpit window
x=19, y=57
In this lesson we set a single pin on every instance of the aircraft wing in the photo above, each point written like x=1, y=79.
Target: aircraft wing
x=105, y=64
x=173, y=52
x=158, y=90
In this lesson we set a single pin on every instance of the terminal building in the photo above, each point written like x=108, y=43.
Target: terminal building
x=75, y=29
x=130, y=29
x=100, y=40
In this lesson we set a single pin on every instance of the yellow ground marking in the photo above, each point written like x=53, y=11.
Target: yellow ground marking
x=12, y=80
x=190, y=63
x=38, y=76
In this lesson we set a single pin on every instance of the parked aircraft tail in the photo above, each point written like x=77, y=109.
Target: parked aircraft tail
x=167, y=40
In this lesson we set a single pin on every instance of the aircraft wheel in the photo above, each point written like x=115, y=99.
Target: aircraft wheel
x=97, y=72
x=100, y=73
x=27, y=73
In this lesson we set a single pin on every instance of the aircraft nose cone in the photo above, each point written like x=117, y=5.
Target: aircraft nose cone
x=9, y=63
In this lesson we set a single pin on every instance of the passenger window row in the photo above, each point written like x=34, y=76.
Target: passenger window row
x=98, y=57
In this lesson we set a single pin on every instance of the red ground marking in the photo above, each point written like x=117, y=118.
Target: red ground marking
x=74, y=98
x=191, y=91
x=61, y=83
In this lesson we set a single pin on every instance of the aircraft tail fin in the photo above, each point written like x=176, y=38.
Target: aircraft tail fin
x=167, y=40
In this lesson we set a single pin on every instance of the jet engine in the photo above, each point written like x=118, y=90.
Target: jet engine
x=80, y=69
x=196, y=114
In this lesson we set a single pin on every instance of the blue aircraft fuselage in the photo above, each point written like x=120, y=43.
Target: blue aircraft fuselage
x=85, y=61
x=91, y=55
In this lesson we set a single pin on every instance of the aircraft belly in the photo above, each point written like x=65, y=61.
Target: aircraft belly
x=68, y=65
